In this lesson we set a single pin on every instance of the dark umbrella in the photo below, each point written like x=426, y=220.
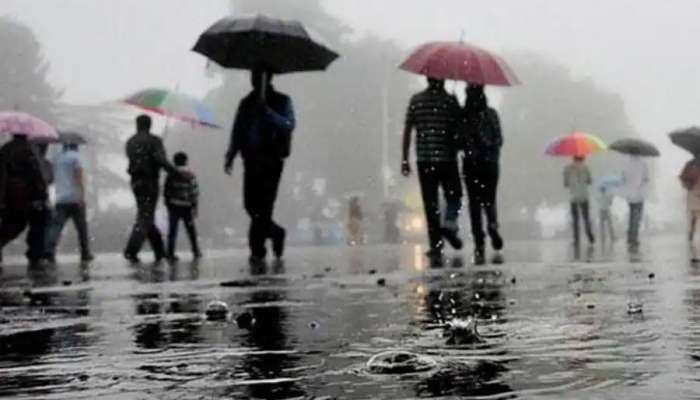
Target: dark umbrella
x=635, y=147
x=263, y=43
x=687, y=139
x=65, y=137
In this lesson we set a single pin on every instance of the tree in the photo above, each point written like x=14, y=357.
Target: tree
x=23, y=83
x=551, y=103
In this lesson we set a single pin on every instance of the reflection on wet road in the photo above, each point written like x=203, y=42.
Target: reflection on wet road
x=552, y=324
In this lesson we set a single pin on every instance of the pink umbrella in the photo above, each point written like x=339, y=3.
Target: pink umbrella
x=15, y=122
x=460, y=62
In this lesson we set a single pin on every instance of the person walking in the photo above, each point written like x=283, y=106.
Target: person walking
x=355, y=218
x=482, y=141
x=605, y=202
x=577, y=178
x=635, y=178
x=182, y=199
x=434, y=114
x=23, y=197
x=147, y=157
x=262, y=134
x=70, y=202
x=690, y=180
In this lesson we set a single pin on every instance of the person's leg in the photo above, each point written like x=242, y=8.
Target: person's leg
x=602, y=220
x=154, y=236
x=452, y=191
x=12, y=223
x=191, y=229
x=429, y=191
x=473, y=182
x=636, y=219
x=574, y=222
x=173, y=222
x=80, y=221
x=490, y=204
x=692, y=221
x=252, y=202
x=138, y=232
x=36, y=235
x=61, y=214
x=274, y=231
x=587, y=221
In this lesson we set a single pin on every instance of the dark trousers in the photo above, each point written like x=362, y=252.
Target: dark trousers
x=261, y=180
x=635, y=219
x=15, y=221
x=433, y=176
x=481, y=182
x=62, y=213
x=186, y=215
x=582, y=209
x=146, y=194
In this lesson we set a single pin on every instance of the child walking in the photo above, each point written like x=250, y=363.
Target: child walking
x=181, y=199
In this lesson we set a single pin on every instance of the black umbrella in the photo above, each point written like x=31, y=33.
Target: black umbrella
x=635, y=147
x=263, y=43
x=687, y=139
x=65, y=137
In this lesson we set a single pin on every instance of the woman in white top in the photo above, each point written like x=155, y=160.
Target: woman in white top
x=690, y=179
x=635, y=178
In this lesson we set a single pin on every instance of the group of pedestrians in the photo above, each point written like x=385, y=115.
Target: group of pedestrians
x=633, y=186
x=446, y=133
x=25, y=175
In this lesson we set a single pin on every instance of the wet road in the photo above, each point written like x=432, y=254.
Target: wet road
x=605, y=326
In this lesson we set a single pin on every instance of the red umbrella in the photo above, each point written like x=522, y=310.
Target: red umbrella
x=460, y=62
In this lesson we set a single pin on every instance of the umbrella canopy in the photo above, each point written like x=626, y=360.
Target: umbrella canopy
x=687, y=139
x=15, y=122
x=576, y=144
x=259, y=42
x=173, y=104
x=460, y=62
x=65, y=137
x=635, y=147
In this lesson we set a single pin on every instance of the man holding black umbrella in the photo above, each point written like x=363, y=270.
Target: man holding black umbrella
x=262, y=133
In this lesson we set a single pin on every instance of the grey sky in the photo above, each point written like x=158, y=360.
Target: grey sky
x=101, y=50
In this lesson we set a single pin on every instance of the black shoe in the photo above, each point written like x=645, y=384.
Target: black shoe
x=86, y=258
x=256, y=261
x=197, y=255
x=172, y=258
x=479, y=258
x=497, y=258
x=278, y=244
x=452, y=238
x=434, y=253
x=132, y=258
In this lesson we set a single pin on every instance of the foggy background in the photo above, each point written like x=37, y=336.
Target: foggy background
x=614, y=69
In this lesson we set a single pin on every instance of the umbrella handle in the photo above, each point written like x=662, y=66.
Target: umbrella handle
x=263, y=87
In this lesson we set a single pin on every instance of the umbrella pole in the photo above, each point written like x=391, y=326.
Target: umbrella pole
x=263, y=87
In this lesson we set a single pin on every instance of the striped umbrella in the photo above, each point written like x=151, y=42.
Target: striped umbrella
x=575, y=144
x=174, y=105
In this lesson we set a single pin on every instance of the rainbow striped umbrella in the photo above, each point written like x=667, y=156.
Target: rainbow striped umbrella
x=174, y=105
x=575, y=144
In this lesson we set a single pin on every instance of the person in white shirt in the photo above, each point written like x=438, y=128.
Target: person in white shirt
x=635, y=178
x=70, y=201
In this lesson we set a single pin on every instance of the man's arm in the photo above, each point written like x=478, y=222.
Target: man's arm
x=80, y=182
x=234, y=141
x=3, y=181
x=498, y=135
x=285, y=120
x=162, y=159
x=406, y=143
x=195, y=195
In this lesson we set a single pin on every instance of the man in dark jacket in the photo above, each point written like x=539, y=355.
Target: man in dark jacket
x=482, y=141
x=147, y=157
x=434, y=115
x=23, y=196
x=262, y=134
